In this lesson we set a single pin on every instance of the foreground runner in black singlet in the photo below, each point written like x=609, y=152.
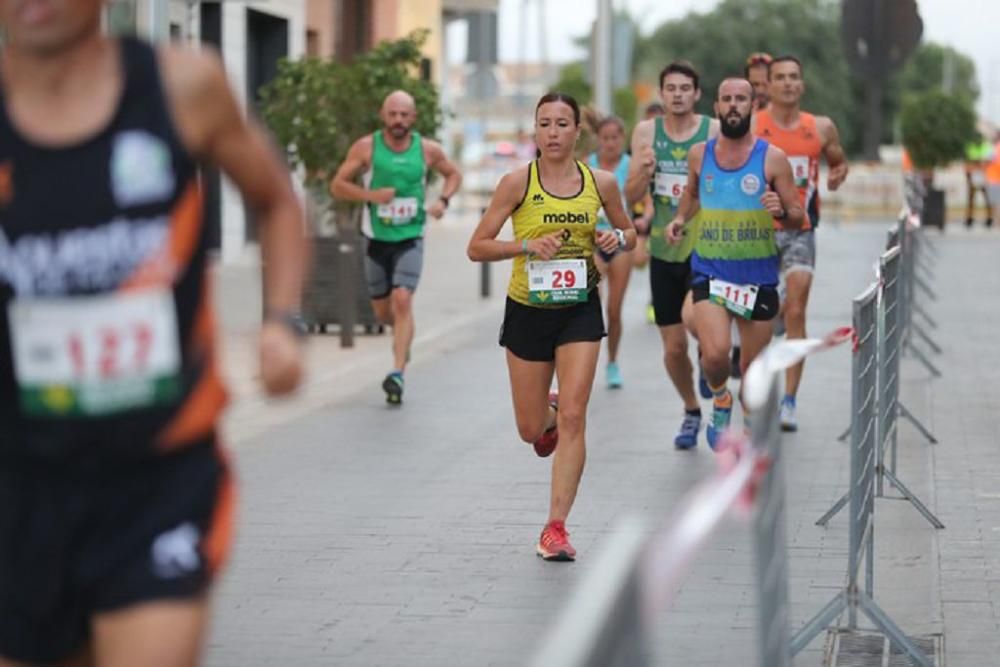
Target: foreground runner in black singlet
x=115, y=499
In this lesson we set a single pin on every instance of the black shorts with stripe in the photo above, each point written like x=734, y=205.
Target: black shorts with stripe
x=82, y=541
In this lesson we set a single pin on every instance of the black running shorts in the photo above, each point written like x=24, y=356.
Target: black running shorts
x=533, y=334
x=765, y=308
x=669, y=283
x=81, y=542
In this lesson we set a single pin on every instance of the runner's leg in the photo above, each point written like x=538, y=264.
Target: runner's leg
x=678, y=363
x=383, y=310
x=712, y=324
x=403, y=327
x=618, y=272
x=798, y=284
x=576, y=364
x=529, y=390
x=159, y=634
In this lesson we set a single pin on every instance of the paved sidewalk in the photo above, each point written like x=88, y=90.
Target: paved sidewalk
x=373, y=536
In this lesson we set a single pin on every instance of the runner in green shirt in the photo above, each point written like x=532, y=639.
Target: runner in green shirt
x=393, y=164
x=660, y=146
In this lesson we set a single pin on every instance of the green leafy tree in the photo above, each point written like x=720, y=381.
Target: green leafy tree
x=717, y=42
x=937, y=67
x=317, y=109
x=573, y=81
x=936, y=128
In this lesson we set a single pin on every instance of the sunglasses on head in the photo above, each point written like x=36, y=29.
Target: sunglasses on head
x=759, y=59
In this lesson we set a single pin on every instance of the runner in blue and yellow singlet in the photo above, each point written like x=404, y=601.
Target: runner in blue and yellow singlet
x=553, y=323
x=736, y=183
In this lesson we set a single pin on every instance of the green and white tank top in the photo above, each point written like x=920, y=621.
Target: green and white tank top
x=668, y=185
x=403, y=218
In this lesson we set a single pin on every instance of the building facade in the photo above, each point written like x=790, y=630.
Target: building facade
x=252, y=36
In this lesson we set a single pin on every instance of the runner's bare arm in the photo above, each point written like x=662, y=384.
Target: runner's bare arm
x=643, y=163
x=484, y=246
x=611, y=197
x=782, y=197
x=358, y=160
x=213, y=129
x=439, y=162
x=836, y=160
x=690, y=202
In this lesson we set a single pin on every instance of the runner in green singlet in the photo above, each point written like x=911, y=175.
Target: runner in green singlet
x=394, y=163
x=661, y=147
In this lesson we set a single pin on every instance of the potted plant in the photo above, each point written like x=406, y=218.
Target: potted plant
x=936, y=128
x=316, y=110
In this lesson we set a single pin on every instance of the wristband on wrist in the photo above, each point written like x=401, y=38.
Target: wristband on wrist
x=289, y=319
x=445, y=200
x=620, y=235
x=524, y=246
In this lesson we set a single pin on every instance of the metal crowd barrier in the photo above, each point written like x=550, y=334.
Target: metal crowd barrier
x=905, y=235
x=889, y=407
x=912, y=243
x=865, y=439
x=607, y=621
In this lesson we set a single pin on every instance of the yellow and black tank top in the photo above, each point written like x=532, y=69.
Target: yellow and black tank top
x=540, y=213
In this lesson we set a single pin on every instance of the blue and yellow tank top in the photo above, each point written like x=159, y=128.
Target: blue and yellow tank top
x=736, y=233
x=621, y=175
x=541, y=213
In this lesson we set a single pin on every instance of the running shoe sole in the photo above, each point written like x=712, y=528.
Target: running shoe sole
x=685, y=445
x=555, y=557
x=393, y=392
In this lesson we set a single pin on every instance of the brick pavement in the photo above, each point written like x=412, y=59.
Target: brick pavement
x=371, y=536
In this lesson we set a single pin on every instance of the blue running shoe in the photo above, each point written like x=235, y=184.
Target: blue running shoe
x=789, y=423
x=720, y=422
x=703, y=389
x=614, y=375
x=393, y=388
x=687, y=436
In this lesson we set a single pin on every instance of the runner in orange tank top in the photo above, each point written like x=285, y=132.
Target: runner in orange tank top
x=804, y=138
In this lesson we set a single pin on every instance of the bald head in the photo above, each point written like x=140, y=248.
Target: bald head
x=736, y=85
x=399, y=99
x=399, y=112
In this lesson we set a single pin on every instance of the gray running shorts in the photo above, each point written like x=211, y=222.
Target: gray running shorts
x=797, y=249
x=392, y=265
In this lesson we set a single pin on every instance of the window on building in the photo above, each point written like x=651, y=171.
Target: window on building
x=312, y=44
x=354, y=34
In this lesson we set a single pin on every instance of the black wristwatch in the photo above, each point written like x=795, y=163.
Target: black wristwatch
x=289, y=319
x=445, y=200
x=784, y=214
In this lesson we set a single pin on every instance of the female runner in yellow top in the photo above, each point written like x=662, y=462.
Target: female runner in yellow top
x=553, y=321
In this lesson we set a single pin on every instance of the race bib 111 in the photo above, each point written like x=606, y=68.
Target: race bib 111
x=737, y=299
